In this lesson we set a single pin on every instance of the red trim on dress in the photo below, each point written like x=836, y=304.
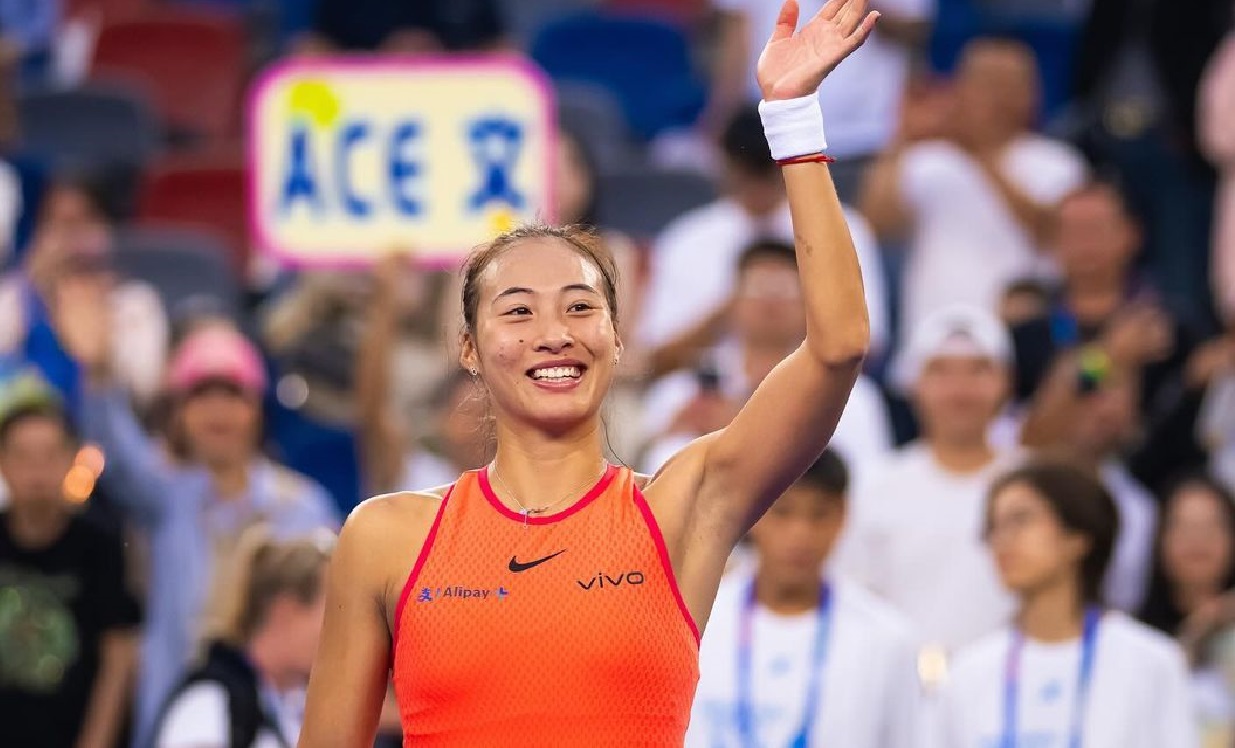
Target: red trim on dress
x=487, y=489
x=415, y=572
x=663, y=551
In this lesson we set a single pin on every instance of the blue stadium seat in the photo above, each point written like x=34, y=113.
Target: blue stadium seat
x=641, y=201
x=645, y=63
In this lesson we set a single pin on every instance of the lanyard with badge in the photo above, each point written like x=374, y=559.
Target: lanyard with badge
x=1011, y=681
x=814, y=688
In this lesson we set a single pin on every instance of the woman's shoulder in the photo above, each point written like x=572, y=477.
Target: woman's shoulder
x=401, y=511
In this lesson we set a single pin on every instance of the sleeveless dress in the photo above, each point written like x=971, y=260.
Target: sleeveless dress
x=559, y=630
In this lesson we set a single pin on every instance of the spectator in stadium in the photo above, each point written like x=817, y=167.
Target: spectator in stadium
x=973, y=202
x=862, y=106
x=1138, y=69
x=194, y=493
x=1195, y=569
x=406, y=26
x=396, y=455
x=764, y=322
x=68, y=623
x=795, y=657
x=693, y=261
x=1065, y=671
x=1105, y=309
x=1192, y=594
x=255, y=661
x=915, y=530
x=1216, y=122
x=73, y=241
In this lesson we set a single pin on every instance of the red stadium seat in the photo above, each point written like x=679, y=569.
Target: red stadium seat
x=106, y=10
x=687, y=13
x=193, y=63
x=203, y=194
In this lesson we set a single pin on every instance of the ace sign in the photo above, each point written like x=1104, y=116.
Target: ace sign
x=352, y=159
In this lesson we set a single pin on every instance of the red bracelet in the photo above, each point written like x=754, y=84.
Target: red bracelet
x=812, y=158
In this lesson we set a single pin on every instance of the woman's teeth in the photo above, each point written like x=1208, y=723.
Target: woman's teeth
x=557, y=373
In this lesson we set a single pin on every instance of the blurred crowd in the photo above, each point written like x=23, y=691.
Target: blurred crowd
x=1042, y=197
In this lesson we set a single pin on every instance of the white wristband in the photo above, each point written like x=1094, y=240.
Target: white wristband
x=794, y=127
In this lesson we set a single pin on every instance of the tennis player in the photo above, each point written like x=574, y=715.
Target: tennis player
x=552, y=599
x=1066, y=673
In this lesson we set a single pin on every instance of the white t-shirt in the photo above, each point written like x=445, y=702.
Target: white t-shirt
x=914, y=537
x=694, y=268
x=198, y=718
x=1127, y=579
x=1138, y=696
x=966, y=245
x=869, y=691
x=863, y=435
x=861, y=98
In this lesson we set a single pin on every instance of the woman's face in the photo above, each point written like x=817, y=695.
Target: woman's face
x=575, y=182
x=544, y=343
x=220, y=424
x=1032, y=549
x=1196, y=538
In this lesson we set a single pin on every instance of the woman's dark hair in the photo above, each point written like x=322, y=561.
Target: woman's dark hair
x=581, y=239
x=21, y=414
x=827, y=474
x=1080, y=503
x=767, y=249
x=745, y=146
x=1160, y=609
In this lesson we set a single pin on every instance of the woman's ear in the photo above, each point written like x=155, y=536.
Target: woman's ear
x=469, y=359
x=1077, y=546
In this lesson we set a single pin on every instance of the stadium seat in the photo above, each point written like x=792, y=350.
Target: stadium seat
x=686, y=13
x=188, y=268
x=106, y=10
x=207, y=194
x=92, y=127
x=657, y=87
x=595, y=117
x=642, y=201
x=193, y=62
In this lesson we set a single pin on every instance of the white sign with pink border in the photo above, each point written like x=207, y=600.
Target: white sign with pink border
x=350, y=160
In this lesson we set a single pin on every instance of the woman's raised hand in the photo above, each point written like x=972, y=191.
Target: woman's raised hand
x=795, y=61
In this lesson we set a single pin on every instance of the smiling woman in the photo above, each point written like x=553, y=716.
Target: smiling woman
x=591, y=584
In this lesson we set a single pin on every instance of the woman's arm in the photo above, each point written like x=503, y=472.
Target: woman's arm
x=370, y=564
x=136, y=476
x=383, y=441
x=788, y=421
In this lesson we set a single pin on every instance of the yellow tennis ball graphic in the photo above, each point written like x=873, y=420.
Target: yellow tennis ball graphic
x=501, y=220
x=315, y=101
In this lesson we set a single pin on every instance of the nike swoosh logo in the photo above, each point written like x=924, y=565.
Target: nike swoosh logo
x=517, y=567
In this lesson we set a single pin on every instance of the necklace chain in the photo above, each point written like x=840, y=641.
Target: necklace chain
x=526, y=510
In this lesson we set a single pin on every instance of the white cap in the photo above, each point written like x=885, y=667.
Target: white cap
x=958, y=330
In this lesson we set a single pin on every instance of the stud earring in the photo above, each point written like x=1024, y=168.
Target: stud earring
x=473, y=371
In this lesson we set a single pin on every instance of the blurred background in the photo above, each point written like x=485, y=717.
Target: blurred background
x=1065, y=169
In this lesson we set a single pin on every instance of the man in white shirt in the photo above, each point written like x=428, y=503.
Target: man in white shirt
x=862, y=100
x=694, y=260
x=974, y=203
x=916, y=532
x=794, y=657
x=765, y=322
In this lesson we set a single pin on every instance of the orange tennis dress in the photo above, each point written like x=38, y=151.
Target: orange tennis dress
x=562, y=630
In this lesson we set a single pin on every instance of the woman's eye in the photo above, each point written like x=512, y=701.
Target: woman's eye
x=518, y=311
x=580, y=306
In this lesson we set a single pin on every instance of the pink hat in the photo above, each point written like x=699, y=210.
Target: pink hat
x=217, y=352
